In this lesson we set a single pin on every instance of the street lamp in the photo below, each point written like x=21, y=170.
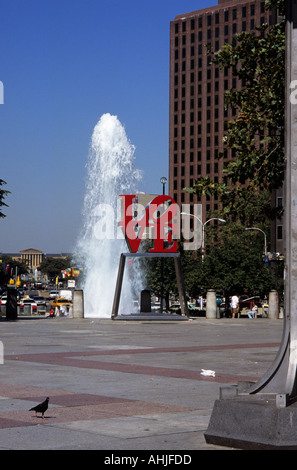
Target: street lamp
x=265, y=242
x=163, y=180
x=203, y=227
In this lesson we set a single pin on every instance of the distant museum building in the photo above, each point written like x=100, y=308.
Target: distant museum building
x=33, y=257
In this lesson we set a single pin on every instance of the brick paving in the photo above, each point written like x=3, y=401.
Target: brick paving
x=145, y=376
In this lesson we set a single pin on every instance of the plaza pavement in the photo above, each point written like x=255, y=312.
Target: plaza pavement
x=120, y=386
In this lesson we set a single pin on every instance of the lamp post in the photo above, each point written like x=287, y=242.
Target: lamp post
x=163, y=180
x=265, y=240
x=202, y=245
x=203, y=228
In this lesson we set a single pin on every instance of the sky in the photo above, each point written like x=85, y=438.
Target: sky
x=63, y=64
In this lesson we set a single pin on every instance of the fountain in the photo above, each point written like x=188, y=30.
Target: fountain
x=110, y=172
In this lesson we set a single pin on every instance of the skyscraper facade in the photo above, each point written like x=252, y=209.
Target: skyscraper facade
x=197, y=116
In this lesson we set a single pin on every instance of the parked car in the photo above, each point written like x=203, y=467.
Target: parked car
x=245, y=305
x=53, y=294
x=28, y=301
x=3, y=300
x=40, y=300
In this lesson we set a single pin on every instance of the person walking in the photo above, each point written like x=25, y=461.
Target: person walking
x=234, y=305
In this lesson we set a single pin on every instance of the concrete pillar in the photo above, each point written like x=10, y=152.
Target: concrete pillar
x=211, y=304
x=273, y=302
x=78, y=304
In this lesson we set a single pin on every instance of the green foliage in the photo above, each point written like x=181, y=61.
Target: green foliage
x=157, y=269
x=232, y=265
x=53, y=266
x=235, y=265
x=5, y=275
x=3, y=193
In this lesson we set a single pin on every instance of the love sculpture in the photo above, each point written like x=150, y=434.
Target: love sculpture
x=158, y=218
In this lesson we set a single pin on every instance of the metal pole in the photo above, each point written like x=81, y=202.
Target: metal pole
x=265, y=239
x=202, y=245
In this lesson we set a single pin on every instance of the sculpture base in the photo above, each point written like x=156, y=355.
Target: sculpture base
x=253, y=422
x=152, y=316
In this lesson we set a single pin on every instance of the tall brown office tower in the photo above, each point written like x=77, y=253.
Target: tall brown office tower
x=198, y=121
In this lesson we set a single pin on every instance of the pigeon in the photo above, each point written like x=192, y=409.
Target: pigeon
x=41, y=408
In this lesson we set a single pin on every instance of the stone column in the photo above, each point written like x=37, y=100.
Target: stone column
x=211, y=304
x=78, y=304
x=273, y=302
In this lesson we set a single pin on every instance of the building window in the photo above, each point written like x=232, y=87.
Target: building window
x=279, y=230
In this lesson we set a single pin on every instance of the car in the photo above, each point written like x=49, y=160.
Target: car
x=247, y=303
x=193, y=306
x=60, y=301
x=53, y=294
x=28, y=301
x=39, y=300
x=3, y=300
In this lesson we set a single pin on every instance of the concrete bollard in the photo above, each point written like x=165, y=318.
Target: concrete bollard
x=211, y=304
x=78, y=304
x=273, y=302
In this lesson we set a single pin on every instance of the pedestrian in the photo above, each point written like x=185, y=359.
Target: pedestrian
x=51, y=312
x=234, y=305
x=62, y=311
x=254, y=309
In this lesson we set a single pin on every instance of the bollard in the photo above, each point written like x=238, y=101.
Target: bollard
x=78, y=304
x=273, y=309
x=11, y=305
x=211, y=304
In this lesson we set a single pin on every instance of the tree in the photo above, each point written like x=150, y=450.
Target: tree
x=3, y=193
x=154, y=274
x=235, y=265
x=53, y=266
x=8, y=268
